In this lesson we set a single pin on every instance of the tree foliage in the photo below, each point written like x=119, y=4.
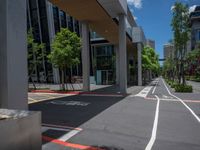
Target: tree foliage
x=192, y=63
x=168, y=68
x=35, y=53
x=181, y=30
x=150, y=60
x=65, y=51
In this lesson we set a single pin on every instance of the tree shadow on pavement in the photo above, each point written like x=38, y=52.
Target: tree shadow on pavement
x=106, y=148
x=73, y=111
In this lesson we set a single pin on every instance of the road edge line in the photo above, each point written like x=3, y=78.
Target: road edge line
x=155, y=126
x=155, y=87
x=193, y=113
x=67, y=144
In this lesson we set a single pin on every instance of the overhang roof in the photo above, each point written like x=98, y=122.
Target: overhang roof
x=90, y=10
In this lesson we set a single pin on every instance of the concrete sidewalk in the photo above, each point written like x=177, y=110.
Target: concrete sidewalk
x=195, y=85
x=107, y=89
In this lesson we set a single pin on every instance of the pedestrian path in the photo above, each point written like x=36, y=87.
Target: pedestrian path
x=144, y=92
x=177, y=116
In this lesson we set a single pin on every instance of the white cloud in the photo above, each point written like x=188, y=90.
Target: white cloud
x=135, y=3
x=172, y=8
x=135, y=18
x=192, y=8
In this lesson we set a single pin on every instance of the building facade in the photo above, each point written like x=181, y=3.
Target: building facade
x=168, y=50
x=110, y=19
x=46, y=20
x=195, y=27
x=150, y=43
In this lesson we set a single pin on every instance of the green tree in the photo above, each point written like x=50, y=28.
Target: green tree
x=65, y=51
x=181, y=30
x=150, y=61
x=168, y=68
x=35, y=55
x=192, y=63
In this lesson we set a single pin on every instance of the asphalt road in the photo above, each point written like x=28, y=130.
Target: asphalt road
x=156, y=118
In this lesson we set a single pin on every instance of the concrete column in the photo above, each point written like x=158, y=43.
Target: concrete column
x=117, y=64
x=122, y=54
x=85, y=56
x=51, y=28
x=139, y=50
x=128, y=69
x=13, y=55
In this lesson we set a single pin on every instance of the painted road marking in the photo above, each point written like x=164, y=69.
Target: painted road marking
x=70, y=145
x=192, y=112
x=69, y=135
x=69, y=103
x=167, y=97
x=155, y=86
x=144, y=92
x=173, y=100
x=70, y=131
x=103, y=95
x=155, y=125
x=162, y=99
x=61, y=126
x=63, y=139
x=44, y=129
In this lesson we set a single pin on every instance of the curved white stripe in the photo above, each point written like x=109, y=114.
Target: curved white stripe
x=198, y=119
x=155, y=125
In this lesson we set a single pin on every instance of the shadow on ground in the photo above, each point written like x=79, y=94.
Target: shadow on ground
x=73, y=110
x=107, y=148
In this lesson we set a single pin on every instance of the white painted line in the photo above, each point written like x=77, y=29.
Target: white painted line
x=101, y=95
x=155, y=87
x=163, y=99
x=60, y=126
x=69, y=135
x=192, y=112
x=144, y=92
x=32, y=99
x=44, y=129
x=155, y=125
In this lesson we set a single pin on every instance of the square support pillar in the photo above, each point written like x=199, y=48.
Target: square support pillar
x=85, y=56
x=117, y=64
x=128, y=68
x=139, y=50
x=122, y=54
x=13, y=55
x=51, y=29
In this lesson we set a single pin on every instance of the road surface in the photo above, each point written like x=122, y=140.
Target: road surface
x=154, y=119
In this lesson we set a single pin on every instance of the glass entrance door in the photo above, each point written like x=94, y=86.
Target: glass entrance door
x=104, y=75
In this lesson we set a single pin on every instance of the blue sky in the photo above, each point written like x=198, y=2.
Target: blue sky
x=155, y=17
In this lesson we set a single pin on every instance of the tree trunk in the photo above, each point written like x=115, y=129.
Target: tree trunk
x=63, y=80
x=70, y=75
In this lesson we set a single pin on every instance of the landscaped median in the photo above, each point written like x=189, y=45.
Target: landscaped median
x=179, y=87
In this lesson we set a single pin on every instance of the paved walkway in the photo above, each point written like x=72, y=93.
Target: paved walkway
x=195, y=85
x=94, y=88
x=69, y=86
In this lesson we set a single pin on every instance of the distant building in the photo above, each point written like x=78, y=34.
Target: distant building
x=168, y=50
x=195, y=27
x=150, y=43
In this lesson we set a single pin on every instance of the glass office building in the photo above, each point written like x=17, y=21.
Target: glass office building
x=46, y=20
